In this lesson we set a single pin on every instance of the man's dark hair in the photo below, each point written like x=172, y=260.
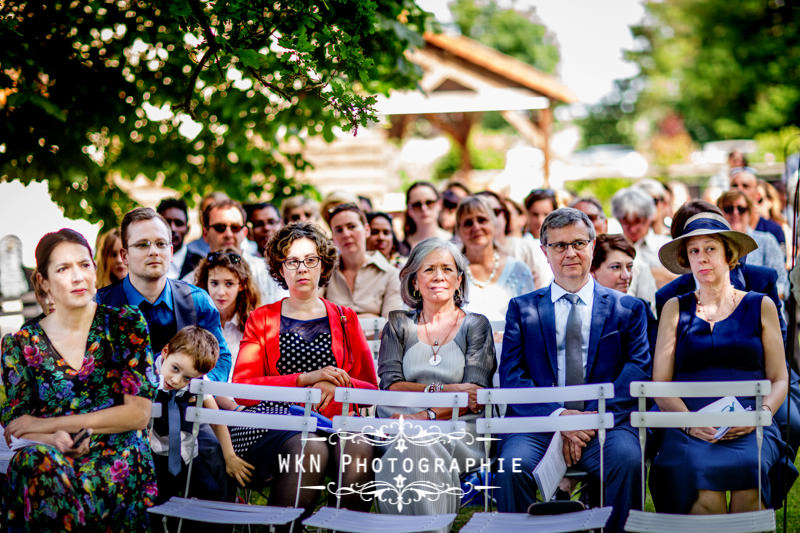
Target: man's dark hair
x=541, y=194
x=249, y=209
x=168, y=203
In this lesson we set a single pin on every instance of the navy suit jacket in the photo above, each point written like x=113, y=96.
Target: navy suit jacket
x=186, y=314
x=618, y=348
x=743, y=277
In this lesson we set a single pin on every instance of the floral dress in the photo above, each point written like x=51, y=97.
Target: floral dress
x=110, y=487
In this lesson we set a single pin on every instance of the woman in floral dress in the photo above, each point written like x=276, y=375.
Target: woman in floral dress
x=83, y=367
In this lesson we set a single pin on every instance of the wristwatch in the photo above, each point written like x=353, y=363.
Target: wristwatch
x=431, y=413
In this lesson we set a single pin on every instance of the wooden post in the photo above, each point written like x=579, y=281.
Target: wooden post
x=545, y=119
x=458, y=126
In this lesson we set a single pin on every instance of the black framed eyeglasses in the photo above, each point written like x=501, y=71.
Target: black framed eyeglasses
x=561, y=247
x=543, y=193
x=223, y=257
x=309, y=262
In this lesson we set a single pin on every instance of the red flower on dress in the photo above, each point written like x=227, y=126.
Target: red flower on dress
x=119, y=471
x=130, y=382
x=32, y=355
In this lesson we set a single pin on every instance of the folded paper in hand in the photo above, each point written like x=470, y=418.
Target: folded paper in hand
x=551, y=469
x=728, y=404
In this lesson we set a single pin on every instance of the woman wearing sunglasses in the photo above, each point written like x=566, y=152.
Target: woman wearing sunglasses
x=303, y=341
x=226, y=278
x=422, y=214
x=494, y=277
x=739, y=210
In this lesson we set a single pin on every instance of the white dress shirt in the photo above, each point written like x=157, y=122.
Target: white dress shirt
x=175, y=266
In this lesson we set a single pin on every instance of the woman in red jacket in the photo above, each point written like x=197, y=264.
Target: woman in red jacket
x=303, y=341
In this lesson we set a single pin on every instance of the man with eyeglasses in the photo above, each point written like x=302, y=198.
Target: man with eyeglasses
x=265, y=221
x=572, y=332
x=635, y=210
x=592, y=208
x=169, y=305
x=176, y=214
x=223, y=227
x=745, y=180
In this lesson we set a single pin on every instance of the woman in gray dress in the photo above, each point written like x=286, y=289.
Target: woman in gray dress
x=436, y=346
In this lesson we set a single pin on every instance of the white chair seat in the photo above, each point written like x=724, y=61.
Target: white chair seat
x=225, y=513
x=357, y=522
x=754, y=521
x=523, y=522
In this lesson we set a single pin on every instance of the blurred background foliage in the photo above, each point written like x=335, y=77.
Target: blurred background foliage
x=725, y=70
x=514, y=31
x=197, y=96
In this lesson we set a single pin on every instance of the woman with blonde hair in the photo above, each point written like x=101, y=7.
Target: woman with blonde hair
x=493, y=277
x=110, y=266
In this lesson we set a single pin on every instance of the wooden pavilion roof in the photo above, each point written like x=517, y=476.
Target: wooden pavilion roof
x=516, y=72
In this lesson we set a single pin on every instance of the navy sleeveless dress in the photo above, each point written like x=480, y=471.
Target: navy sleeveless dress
x=731, y=351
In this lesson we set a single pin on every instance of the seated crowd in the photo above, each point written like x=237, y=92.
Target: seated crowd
x=578, y=305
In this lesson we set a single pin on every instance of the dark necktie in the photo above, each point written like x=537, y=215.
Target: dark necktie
x=174, y=420
x=573, y=349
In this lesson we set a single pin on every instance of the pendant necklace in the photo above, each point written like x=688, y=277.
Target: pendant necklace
x=482, y=284
x=703, y=313
x=434, y=359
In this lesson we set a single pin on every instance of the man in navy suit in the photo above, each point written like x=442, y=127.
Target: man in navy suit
x=168, y=305
x=553, y=339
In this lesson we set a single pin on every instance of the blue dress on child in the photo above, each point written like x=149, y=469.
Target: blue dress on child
x=731, y=351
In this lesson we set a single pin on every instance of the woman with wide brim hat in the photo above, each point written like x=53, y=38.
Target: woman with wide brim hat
x=717, y=333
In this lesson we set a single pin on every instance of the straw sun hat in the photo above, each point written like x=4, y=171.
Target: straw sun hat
x=703, y=224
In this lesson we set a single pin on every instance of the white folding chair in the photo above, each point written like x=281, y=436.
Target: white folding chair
x=349, y=426
x=761, y=520
x=601, y=421
x=375, y=348
x=372, y=327
x=498, y=326
x=237, y=513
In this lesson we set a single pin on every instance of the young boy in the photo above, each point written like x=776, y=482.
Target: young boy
x=190, y=354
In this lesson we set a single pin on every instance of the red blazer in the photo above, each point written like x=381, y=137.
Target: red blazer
x=259, y=352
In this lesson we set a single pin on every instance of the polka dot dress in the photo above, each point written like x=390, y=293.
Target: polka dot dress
x=305, y=346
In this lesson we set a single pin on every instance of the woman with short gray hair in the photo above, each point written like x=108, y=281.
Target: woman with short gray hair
x=435, y=347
